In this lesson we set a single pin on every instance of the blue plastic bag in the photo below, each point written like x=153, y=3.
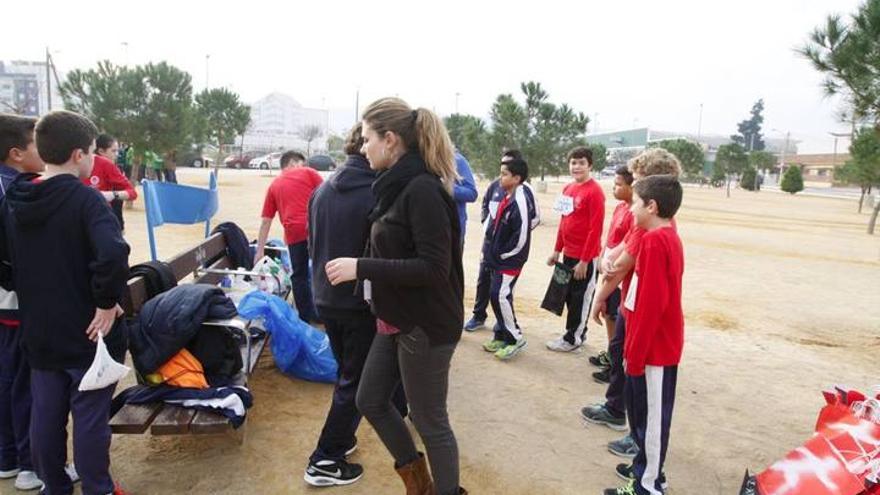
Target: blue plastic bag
x=298, y=349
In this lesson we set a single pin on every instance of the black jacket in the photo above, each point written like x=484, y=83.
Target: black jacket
x=415, y=260
x=338, y=227
x=169, y=321
x=68, y=259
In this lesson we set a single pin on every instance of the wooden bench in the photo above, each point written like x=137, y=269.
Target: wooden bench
x=167, y=419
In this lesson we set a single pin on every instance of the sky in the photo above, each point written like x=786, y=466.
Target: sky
x=623, y=62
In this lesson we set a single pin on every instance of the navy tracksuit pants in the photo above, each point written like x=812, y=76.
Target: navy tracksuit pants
x=481, y=299
x=15, y=403
x=55, y=396
x=501, y=297
x=649, y=402
x=614, y=400
x=301, y=281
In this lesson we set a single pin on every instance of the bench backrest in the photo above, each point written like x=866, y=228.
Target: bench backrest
x=210, y=253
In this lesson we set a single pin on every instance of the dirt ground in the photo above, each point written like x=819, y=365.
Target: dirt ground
x=780, y=296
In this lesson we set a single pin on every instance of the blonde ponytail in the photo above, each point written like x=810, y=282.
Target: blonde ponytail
x=421, y=130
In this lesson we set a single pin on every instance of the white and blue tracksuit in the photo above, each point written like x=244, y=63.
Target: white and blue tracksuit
x=505, y=251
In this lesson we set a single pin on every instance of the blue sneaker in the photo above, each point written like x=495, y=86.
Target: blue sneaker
x=625, y=447
x=474, y=324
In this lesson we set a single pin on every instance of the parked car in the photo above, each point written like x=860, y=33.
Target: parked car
x=240, y=160
x=609, y=171
x=194, y=159
x=272, y=160
x=321, y=163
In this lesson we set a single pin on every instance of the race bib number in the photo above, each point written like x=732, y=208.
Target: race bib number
x=630, y=302
x=564, y=205
x=493, y=208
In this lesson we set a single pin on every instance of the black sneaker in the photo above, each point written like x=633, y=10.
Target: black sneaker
x=603, y=376
x=624, y=471
x=600, y=415
x=601, y=360
x=329, y=473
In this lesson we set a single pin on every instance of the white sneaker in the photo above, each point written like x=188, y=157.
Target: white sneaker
x=27, y=480
x=560, y=345
x=12, y=473
x=70, y=469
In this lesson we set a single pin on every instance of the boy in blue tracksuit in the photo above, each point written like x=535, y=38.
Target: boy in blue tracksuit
x=505, y=251
x=491, y=199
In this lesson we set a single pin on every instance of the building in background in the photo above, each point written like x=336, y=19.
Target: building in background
x=818, y=169
x=628, y=142
x=279, y=122
x=23, y=88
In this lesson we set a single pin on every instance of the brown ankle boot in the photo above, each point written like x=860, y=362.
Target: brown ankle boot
x=416, y=478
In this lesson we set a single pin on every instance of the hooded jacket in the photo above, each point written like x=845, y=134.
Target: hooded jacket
x=68, y=258
x=508, y=234
x=8, y=297
x=169, y=321
x=339, y=227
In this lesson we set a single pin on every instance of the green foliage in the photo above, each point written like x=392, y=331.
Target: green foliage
x=220, y=116
x=749, y=130
x=732, y=159
x=792, y=180
x=600, y=155
x=335, y=143
x=689, y=154
x=762, y=160
x=472, y=139
x=847, y=54
x=719, y=174
x=748, y=179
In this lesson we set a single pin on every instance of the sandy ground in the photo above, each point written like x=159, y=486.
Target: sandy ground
x=780, y=298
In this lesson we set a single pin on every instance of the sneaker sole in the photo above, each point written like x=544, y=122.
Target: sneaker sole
x=624, y=478
x=621, y=454
x=613, y=426
x=576, y=350
x=474, y=329
x=351, y=450
x=6, y=475
x=27, y=488
x=328, y=480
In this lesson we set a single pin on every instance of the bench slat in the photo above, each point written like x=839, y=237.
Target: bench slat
x=206, y=423
x=134, y=418
x=214, y=278
x=172, y=420
x=207, y=251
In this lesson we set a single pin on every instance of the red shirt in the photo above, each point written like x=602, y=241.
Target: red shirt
x=288, y=195
x=621, y=223
x=655, y=324
x=107, y=177
x=632, y=244
x=580, y=232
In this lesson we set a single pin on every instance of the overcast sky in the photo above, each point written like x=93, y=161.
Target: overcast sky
x=649, y=63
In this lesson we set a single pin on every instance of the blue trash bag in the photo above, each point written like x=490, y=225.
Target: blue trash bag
x=298, y=349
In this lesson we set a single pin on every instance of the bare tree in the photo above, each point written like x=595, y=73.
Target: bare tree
x=309, y=133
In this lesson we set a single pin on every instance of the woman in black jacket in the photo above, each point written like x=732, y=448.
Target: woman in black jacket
x=413, y=277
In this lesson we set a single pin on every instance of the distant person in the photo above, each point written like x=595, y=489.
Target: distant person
x=579, y=241
x=169, y=167
x=18, y=154
x=465, y=191
x=505, y=251
x=288, y=196
x=77, y=267
x=339, y=226
x=655, y=334
x=491, y=199
x=107, y=178
x=414, y=278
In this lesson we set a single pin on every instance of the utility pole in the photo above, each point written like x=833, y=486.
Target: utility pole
x=782, y=158
x=48, y=81
x=700, y=124
x=357, y=105
x=456, y=101
x=207, y=81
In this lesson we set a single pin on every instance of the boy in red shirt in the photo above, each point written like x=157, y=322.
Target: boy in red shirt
x=579, y=239
x=288, y=195
x=655, y=333
x=621, y=223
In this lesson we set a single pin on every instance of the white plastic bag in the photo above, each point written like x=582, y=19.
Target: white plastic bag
x=104, y=371
x=272, y=279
